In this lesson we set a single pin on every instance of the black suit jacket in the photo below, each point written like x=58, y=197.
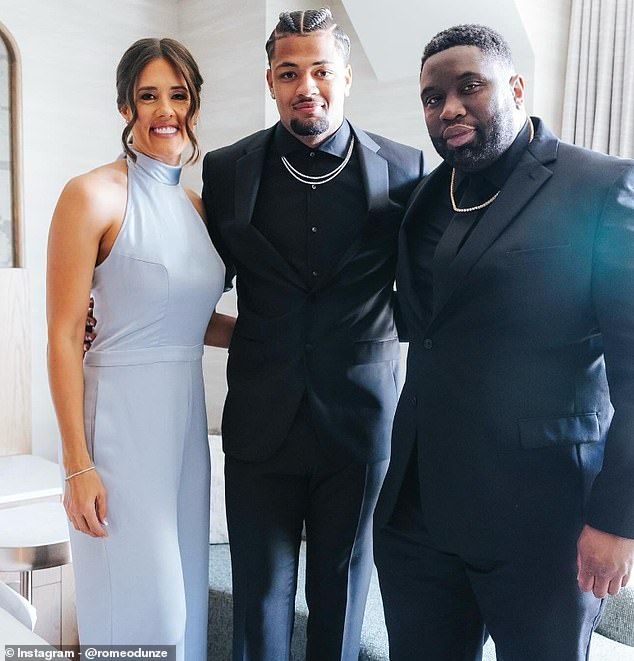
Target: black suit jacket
x=335, y=341
x=520, y=388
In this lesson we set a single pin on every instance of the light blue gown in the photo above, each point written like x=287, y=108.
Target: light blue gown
x=147, y=582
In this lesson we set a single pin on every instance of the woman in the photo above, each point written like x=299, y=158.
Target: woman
x=132, y=417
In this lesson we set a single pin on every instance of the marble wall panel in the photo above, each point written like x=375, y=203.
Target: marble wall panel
x=15, y=362
x=69, y=51
x=227, y=39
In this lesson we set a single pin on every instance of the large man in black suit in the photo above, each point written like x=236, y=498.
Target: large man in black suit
x=308, y=213
x=513, y=445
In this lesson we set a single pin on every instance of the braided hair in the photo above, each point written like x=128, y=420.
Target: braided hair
x=490, y=42
x=305, y=22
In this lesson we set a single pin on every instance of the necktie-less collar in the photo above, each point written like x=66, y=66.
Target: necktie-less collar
x=492, y=199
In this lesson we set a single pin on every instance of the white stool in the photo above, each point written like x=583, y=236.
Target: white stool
x=33, y=537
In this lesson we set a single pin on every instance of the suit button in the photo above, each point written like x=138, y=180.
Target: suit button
x=315, y=274
x=308, y=347
x=414, y=400
x=427, y=343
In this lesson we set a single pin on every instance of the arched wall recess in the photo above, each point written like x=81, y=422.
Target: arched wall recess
x=15, y=334
x=11, y=249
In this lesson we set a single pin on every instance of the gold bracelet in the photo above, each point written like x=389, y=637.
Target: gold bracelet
x=85, y=470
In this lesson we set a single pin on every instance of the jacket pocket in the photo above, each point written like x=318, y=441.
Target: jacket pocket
x=553, y=432
x=375, y=351
x=539, y=255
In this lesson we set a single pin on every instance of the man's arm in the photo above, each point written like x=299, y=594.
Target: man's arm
x=220, y=330
x=209, y=184
x=606, y=544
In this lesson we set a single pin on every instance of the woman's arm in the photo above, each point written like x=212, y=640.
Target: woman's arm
x=82, y=218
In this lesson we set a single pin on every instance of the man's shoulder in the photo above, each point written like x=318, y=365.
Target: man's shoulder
x=240, y=147
x=401, y=158
x=582, y=158
x=593, y=169
x=597, y=158
x=392, y=146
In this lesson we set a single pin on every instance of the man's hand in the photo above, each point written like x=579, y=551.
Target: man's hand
x=604, y=561
x=91, y=322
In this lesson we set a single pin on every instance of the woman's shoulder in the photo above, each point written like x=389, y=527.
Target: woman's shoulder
x=102, y=180
x=99, y=193
x=110, y=175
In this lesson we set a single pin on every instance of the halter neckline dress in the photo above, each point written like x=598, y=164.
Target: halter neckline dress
x=144, y=410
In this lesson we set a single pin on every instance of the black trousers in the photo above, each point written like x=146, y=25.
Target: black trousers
x=439, y=606
x=267, y=505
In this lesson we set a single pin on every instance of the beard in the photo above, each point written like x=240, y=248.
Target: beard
x=491, y=141
x=310, y=127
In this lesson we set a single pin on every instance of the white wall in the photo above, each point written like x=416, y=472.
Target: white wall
x=226, y=39
x=547, y=24
x=69, y=51
x=392, y=107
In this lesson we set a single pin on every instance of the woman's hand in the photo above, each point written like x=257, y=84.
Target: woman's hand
x=85, y=504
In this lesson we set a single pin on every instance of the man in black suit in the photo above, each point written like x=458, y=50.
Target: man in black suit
x=307, y=212
x=509, y=500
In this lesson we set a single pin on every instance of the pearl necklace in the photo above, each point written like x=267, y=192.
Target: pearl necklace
x=458, y=209
x=322, y=178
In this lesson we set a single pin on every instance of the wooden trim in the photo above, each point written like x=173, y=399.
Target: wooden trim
x=15, y=123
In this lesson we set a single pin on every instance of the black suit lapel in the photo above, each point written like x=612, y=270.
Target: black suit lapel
x=461, y=223
x=417, y=212
x=248, y=174
x=525, y=181
x=376, y=181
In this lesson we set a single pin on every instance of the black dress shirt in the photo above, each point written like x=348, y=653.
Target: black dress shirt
x=311, y=226
x=470, y=190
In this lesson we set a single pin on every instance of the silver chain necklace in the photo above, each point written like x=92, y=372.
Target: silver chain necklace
x=322, y=178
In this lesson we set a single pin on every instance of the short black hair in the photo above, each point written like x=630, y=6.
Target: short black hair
x=305, y=22
x=489, y=41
